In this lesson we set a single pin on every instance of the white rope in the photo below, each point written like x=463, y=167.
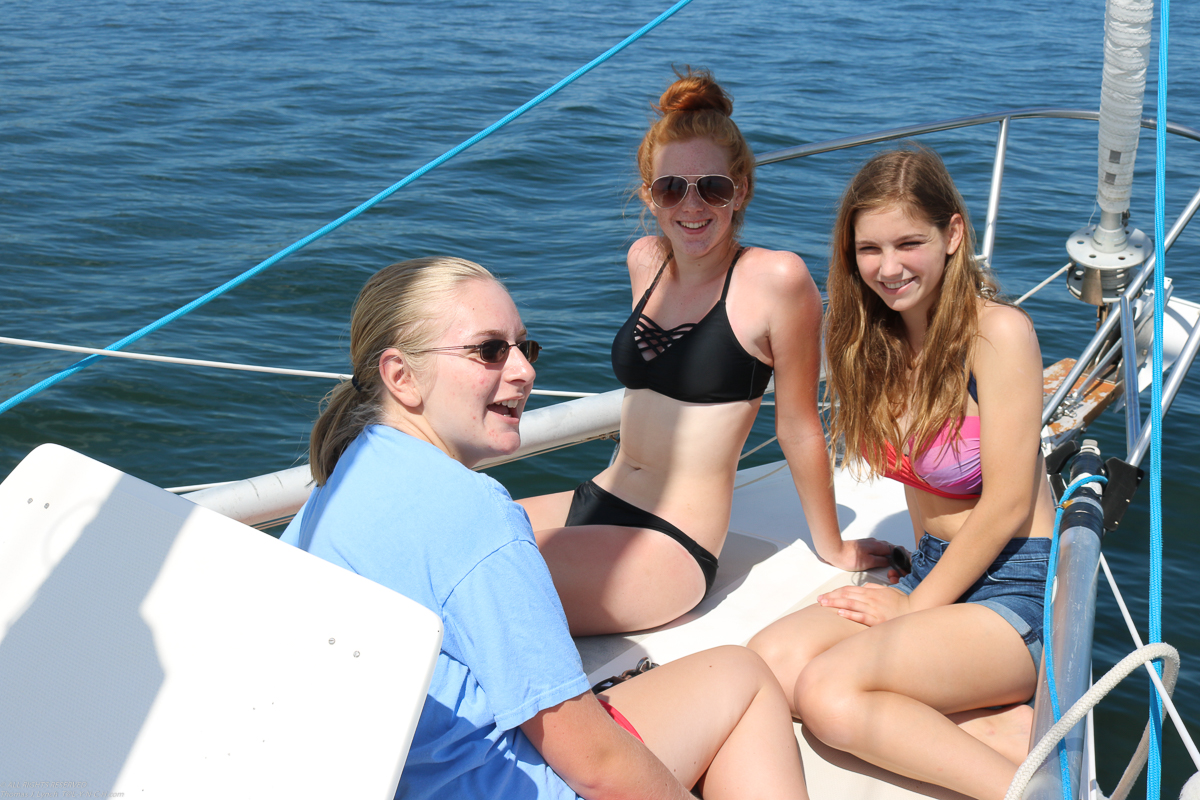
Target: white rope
x=1091, y=697
x=754, y=450
x=761, y=477
x=192, y=362
x=196, y=362
x=1041, y=285
x=1188, y=744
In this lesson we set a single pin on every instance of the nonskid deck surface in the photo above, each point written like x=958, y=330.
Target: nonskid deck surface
x=768, y=569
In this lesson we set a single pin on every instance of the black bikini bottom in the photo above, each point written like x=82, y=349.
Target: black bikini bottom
x=592, y=505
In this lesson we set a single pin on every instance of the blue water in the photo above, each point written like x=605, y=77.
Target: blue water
x=155, y=149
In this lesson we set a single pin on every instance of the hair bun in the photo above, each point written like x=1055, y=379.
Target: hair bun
x=695, y=91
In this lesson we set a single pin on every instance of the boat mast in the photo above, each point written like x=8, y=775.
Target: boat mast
x=1105, y=255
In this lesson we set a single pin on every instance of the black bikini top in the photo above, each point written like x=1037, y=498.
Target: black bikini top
x=697, y=362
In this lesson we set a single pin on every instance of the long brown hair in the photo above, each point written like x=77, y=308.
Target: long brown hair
x=696, y=107
x=400, y=306
x=869, y=363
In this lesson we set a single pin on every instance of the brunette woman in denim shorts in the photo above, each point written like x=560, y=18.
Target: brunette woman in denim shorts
x=937, y=384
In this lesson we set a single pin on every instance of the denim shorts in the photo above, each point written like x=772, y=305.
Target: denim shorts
x=1014, y=586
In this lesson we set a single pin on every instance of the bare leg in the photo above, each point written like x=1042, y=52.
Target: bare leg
x=884, y=694
x=1005, y=730
x=790, y=643
x=612, y=579
x=547, y=510
x=718, y=719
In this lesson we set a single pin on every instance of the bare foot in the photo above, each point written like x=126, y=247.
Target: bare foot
x=1005, y=729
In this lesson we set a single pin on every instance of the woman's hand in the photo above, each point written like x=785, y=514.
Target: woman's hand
x=856, y=555
x=869, y=605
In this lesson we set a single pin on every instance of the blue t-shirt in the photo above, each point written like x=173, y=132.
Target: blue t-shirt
x=401, y=512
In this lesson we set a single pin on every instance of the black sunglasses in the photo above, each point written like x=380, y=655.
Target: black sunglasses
x=494, y=351
x=715, y=190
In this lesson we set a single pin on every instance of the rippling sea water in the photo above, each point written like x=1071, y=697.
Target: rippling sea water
x=155, y=149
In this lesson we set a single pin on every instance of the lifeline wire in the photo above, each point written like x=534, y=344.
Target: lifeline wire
x=198, y=362
x=337, y=223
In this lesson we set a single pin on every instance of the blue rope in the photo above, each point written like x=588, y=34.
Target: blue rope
x=1051, y=569
x=1153, y=769
x=337, y=223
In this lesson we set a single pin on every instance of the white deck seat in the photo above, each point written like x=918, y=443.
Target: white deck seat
x=768, y=569
x=157, y=649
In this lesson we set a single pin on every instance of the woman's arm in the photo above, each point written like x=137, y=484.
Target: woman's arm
x=1007, y=364
x=794, y=333
x=595, y=756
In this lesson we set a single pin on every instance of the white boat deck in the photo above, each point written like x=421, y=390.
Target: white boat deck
x=768, y=569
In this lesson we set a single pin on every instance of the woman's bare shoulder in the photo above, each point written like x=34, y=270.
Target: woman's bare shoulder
x=779, y=272
x=646, y=250
x=643, y=260
x=1007, y=332
x=1001, y=322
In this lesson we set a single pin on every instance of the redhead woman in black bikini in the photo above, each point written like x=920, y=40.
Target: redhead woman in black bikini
x=637, y=546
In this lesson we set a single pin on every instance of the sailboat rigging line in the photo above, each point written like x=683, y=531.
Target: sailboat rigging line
x=907, y=131
x=754, y=450
x=1184, y=734
x=1153, y=767
x=337, y=223
x=198, y=362
x=1041, y=285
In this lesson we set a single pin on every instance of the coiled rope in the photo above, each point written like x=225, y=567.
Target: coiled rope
x=1151, y=652
x=337, y=223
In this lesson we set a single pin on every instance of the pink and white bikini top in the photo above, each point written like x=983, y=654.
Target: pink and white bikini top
x=950, y=467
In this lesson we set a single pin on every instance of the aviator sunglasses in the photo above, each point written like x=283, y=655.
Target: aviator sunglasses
x=715, y=190
x=494, y=351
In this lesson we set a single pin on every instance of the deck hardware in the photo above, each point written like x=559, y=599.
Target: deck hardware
x=1123, y=481
x=1103, y=261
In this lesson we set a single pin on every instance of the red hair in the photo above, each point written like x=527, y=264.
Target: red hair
x=696, y=107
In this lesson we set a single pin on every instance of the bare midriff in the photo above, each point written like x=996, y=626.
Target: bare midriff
x=944, y=517
x=678, y=461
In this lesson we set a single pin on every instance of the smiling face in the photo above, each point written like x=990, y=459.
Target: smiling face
x=693, y=227
x=902, y=258
x=470, y=409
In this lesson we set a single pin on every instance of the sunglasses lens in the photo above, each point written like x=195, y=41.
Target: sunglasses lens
x=493, y=351
x=530, y=349
x=668, y=191
x=716, y=190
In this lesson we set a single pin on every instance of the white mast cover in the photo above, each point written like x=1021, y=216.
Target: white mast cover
x=1126, y=44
